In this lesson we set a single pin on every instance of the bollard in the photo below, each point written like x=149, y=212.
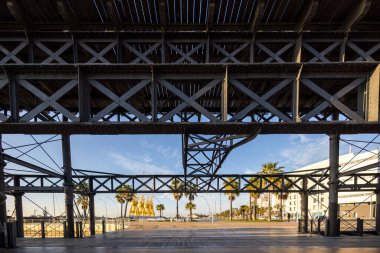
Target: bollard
x=299, y=225
x=64, y=229
x=359, y=226
x=80, y=229
x=311, y=226
x=42, y=229
x=11, y=235
x=338, y=227
x=77, y=229
x=123, y=223
x=327, y=227
x=104, y=226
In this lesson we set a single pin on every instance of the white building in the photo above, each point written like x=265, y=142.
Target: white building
x=348, y=201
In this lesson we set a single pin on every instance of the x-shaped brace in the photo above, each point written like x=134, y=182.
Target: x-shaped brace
x=97, y=56
x=320, y=56
x=119, y=101
x=53, y=55
x=48, y=100
x=274, y=56
x=333, y=99
x=364, y=55
x=13, y=53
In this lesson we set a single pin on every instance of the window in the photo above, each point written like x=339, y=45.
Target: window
x=322, y=199
x=315, y=201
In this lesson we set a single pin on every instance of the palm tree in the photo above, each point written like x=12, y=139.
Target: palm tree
x=244, y=209
x=231, y=185
x=271, y=168
x=177, y=186
x=283, y=196
x=190, y=206
x=253, y=185
x=127, y=194
x=83, y=199
x=191, y=192
x=160, y=208
x=121, y=200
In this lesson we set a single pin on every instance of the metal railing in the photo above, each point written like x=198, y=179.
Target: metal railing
x=57, y=229
x=346, y=226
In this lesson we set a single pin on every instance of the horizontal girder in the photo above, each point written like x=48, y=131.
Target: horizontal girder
x=316, y=183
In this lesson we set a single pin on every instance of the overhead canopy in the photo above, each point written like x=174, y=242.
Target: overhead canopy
x=169, y=15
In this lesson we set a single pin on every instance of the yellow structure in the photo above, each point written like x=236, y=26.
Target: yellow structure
x=142, y=207
x=133, y=209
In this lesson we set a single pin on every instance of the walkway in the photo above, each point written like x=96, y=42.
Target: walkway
x=204, y=237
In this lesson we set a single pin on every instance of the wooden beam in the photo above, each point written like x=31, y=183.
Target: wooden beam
x=19, y=13
x=259, y=13
x=162, y=13
x=356, y=14
x=67, y=15
x=307, y=15
x=210, y=15
x=112, y=15
x=372, y=96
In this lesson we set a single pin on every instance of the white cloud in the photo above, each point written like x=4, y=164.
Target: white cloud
x=303, y=150
x=137, y=165
x=165, y=152
x=249, y=171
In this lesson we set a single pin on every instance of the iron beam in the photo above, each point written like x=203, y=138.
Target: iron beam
x=333, y=185
x=68, y=185
x=304, y=206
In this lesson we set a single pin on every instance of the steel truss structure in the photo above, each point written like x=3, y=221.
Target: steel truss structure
x=217, y=73
x=316, y=183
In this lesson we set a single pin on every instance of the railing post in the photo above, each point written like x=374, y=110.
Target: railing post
x=304, y=205
x=43, y=235
x=104, y=226
x=311, y=226
x=360, y=226
x=378, y=210
x=92, y=212
x=338, y=227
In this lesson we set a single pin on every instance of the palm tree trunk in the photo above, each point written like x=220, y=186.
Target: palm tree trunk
x=126, y=208
x=250, y=206
x=269, y=207
x=230, y=209
x=191, y=214
x=255, y=208
x=281, y=214
x=177, y=216
x=121, y=210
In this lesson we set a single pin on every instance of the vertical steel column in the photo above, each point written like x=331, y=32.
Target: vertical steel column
x=378, y=211
x=333, y=185
x=91, y=197
x=304, y=206
x=3, y=208
x=91, y=205
x=19, y=209
x=68, y=185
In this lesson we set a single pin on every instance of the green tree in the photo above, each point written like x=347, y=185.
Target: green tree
x=190, y=206
x=283, y=196
x=231, y=185
x=82, y=198
x=121, y=200
x=244, y=210
x=191, y=192
x=160, y=208
x=177, y=187
x=126, y=194
x=271, y=168
x=252, y=186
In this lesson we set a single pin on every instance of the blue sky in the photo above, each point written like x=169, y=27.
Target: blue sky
x=161, y=154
